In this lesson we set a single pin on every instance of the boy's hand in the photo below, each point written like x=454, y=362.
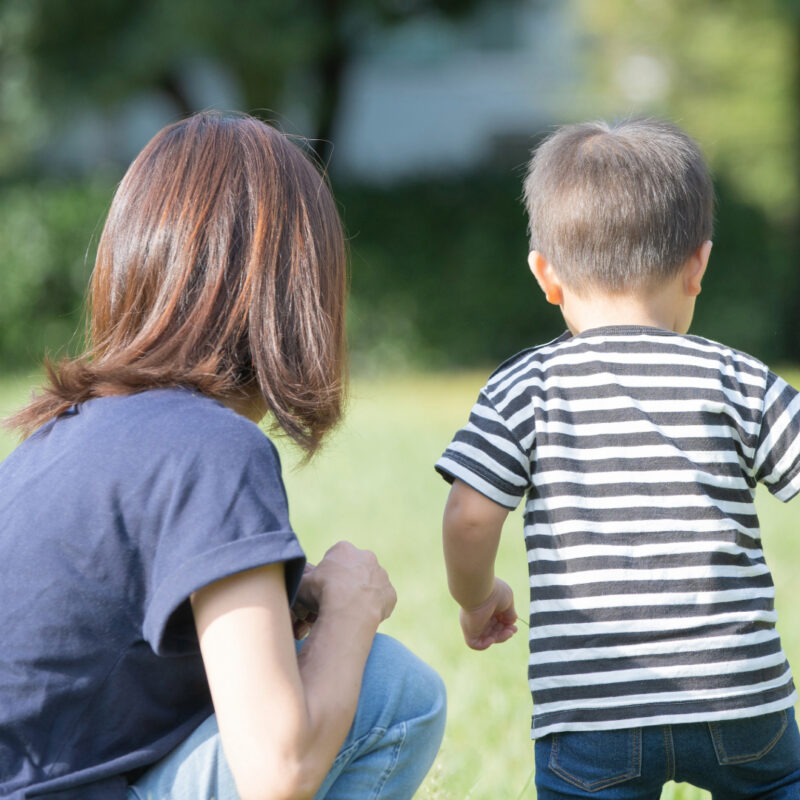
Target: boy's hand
x=492, y=622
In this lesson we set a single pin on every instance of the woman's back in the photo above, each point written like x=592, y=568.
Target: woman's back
x=113, y=514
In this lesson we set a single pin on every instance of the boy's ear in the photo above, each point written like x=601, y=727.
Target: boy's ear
x=695, y=269
x=546, y=277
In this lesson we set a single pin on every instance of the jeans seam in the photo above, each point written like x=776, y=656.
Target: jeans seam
x=346, y=752
x=669, y=748
x=393, y=763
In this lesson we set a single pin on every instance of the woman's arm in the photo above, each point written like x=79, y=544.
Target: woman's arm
x=282, y=719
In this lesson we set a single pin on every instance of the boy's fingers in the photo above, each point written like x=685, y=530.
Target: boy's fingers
x=494, y=632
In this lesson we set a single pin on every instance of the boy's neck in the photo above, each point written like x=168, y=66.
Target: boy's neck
x=666, y=308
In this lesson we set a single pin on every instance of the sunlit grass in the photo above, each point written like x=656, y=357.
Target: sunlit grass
x=374, y=484
x=14, y=392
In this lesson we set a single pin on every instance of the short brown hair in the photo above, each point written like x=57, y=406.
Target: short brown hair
x=618, y=207
x=221, y=267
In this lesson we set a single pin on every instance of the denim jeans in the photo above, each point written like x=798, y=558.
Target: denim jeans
x=390, y=747
x=756, y=757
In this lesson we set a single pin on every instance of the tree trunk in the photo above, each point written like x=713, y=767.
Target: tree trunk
x=329, y=73
x=170, y=85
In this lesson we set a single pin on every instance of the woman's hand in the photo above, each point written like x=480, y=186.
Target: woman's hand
x=303, y=617
x=346, y=581
x=492, y=622
x=283, y=716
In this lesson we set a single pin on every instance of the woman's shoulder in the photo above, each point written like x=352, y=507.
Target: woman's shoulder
x=175, y=409
x=175, y=423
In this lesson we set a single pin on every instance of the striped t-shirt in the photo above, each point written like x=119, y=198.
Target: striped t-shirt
x=639, y=451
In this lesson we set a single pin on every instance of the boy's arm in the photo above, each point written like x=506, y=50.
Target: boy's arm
x=471, y=534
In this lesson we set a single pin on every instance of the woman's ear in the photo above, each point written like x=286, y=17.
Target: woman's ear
x=695, y=268
x=546, y=277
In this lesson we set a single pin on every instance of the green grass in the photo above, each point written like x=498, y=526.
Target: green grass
x=374, y=484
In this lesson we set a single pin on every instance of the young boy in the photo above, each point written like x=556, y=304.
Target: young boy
x=653, y=649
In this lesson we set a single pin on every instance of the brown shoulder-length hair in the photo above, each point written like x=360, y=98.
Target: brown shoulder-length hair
x=221, y=267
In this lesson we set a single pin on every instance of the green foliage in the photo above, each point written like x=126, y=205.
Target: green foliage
x=22, y=116
x=143, y=40
x=440, y=275
x=45, y=234
x=143, y=44
x=726, y=70
x=439, y=266
x=749, y=289
x=439, y=272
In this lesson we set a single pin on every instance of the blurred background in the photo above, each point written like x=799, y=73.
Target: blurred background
x=425, y=112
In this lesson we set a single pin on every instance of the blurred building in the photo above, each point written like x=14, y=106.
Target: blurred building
x=430, y=95
x=433, y=96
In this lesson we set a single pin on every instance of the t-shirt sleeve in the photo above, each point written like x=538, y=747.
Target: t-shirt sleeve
x=487, y=455
x=219, y=508
x=777, y=458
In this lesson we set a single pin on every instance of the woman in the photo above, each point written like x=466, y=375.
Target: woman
x=149, y=564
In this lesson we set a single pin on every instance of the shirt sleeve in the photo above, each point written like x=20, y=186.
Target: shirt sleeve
x=219, y=508
x=777, y=457
x=487, y=456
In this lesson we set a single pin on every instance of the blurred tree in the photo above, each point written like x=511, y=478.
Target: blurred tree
x=102, y=51
x=98, y=54
x=726, y=70
x=45, y=228
x=22, y=121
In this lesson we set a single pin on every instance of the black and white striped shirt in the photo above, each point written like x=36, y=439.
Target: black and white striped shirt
x=639, y=450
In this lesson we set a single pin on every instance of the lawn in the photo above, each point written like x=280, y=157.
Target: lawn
x=374, y=484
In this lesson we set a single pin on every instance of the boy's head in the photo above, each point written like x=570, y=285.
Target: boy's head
x=618, y=208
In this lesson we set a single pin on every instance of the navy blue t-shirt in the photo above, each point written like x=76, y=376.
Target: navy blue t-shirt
x=111, y=516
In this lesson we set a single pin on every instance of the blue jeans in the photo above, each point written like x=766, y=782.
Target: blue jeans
x=390, y=747
x=758, y=757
